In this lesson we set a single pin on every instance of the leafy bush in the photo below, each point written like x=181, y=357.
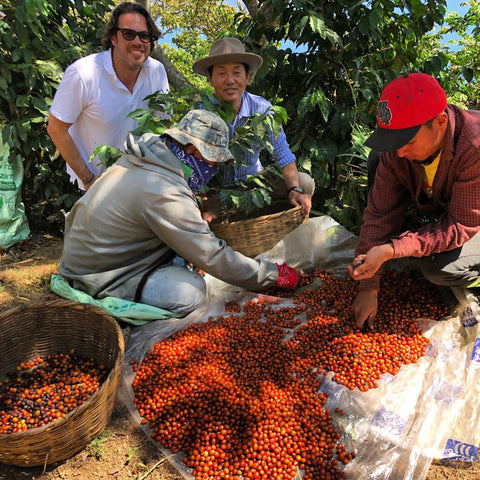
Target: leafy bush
x=326, y=63
x=38, y=40
x=461, y=70
x=245, y=197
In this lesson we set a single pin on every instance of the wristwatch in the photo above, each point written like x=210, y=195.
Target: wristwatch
x=296, y=188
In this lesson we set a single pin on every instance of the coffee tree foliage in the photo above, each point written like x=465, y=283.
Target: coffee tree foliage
x=38, y=40
x=247, y=197
x=461, y=76
x=192, y=27
x=326, y=62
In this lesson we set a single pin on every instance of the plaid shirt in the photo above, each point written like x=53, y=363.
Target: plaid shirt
x=456, y=194
x=281, y=153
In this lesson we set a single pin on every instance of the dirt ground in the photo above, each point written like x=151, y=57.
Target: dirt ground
x=122, y=451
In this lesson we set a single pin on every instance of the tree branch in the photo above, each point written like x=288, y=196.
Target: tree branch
x=252, y=6
x=264, y=11
x=176, y=79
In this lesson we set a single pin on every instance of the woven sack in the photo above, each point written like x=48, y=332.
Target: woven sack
x=48, y=328
x=253, y=236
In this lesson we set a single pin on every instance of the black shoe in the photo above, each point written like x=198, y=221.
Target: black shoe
x=418, y=276
x=476, y=292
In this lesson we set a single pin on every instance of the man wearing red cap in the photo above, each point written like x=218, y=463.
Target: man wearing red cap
x=430, y=155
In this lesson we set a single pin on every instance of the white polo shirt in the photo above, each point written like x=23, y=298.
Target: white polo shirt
x=91, y=96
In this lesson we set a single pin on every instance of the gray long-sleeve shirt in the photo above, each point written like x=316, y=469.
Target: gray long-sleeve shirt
x=134, y=216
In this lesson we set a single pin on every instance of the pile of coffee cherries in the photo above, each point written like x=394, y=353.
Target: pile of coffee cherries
x=330, y=342
x=239, y=394
x=44, y=389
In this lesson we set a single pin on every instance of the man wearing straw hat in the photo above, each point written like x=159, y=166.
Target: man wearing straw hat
x=121, y=237
x=229, y=70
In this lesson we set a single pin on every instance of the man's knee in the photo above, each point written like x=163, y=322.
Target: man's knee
x=306, y=182
x=175, y=289
x=445, y=271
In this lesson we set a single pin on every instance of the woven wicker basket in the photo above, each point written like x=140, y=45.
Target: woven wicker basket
x=47, y=328
x=257, y=235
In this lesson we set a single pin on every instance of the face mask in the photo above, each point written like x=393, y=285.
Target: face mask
x=199, y=173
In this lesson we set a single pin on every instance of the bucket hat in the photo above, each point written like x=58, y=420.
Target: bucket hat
x=406, y=103
x=206, y=131
x=227, y=50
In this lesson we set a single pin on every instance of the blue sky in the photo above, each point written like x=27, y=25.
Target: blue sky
x=452, y=6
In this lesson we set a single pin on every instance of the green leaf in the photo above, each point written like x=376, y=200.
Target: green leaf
x=3, y=85
x=257, y=199
x=312, y=101
x=107, y=155
x=17, y=54
x=364, y=25
x=257, y=180
x=317, y=25
x=468, y=73
x=50, y=69
x=300, y=26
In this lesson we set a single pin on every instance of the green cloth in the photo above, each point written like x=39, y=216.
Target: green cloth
x=130, y=312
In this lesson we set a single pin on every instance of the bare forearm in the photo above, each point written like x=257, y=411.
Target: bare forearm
x=58, y=132
x=290, y=175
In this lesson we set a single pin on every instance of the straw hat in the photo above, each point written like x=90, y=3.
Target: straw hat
x=227, y=50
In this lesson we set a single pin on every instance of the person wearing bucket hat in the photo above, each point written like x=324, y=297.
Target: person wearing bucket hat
x=229, y=69
x=123, y=237
x=428, y=152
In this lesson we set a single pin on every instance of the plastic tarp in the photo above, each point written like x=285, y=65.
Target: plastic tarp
x=429, y=410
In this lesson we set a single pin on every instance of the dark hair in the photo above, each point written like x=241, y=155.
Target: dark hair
x=210, y=69
x=429, y=123
x=112, y=25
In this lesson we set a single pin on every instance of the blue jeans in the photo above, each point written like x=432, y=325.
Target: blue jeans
x=175, y=289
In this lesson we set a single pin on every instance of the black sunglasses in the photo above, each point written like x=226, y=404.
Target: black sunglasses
x=129, y=35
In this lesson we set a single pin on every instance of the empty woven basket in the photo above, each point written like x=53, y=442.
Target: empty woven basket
x=47, y=328
x=257, y=235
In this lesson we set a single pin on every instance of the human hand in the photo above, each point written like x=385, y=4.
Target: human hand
x=209, y=209
x=208, y=216
x=365, y=308
x=365, y=266
x=302, y=199
x=288, y=277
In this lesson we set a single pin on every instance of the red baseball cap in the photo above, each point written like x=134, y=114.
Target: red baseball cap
x=405, y=104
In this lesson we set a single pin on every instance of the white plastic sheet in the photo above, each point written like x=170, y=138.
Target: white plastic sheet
x=428, y=410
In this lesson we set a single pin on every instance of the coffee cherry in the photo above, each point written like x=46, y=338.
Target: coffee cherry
x=238, y=395
x=44, y=389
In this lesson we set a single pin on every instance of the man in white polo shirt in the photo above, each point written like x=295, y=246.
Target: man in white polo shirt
x=97, y=92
